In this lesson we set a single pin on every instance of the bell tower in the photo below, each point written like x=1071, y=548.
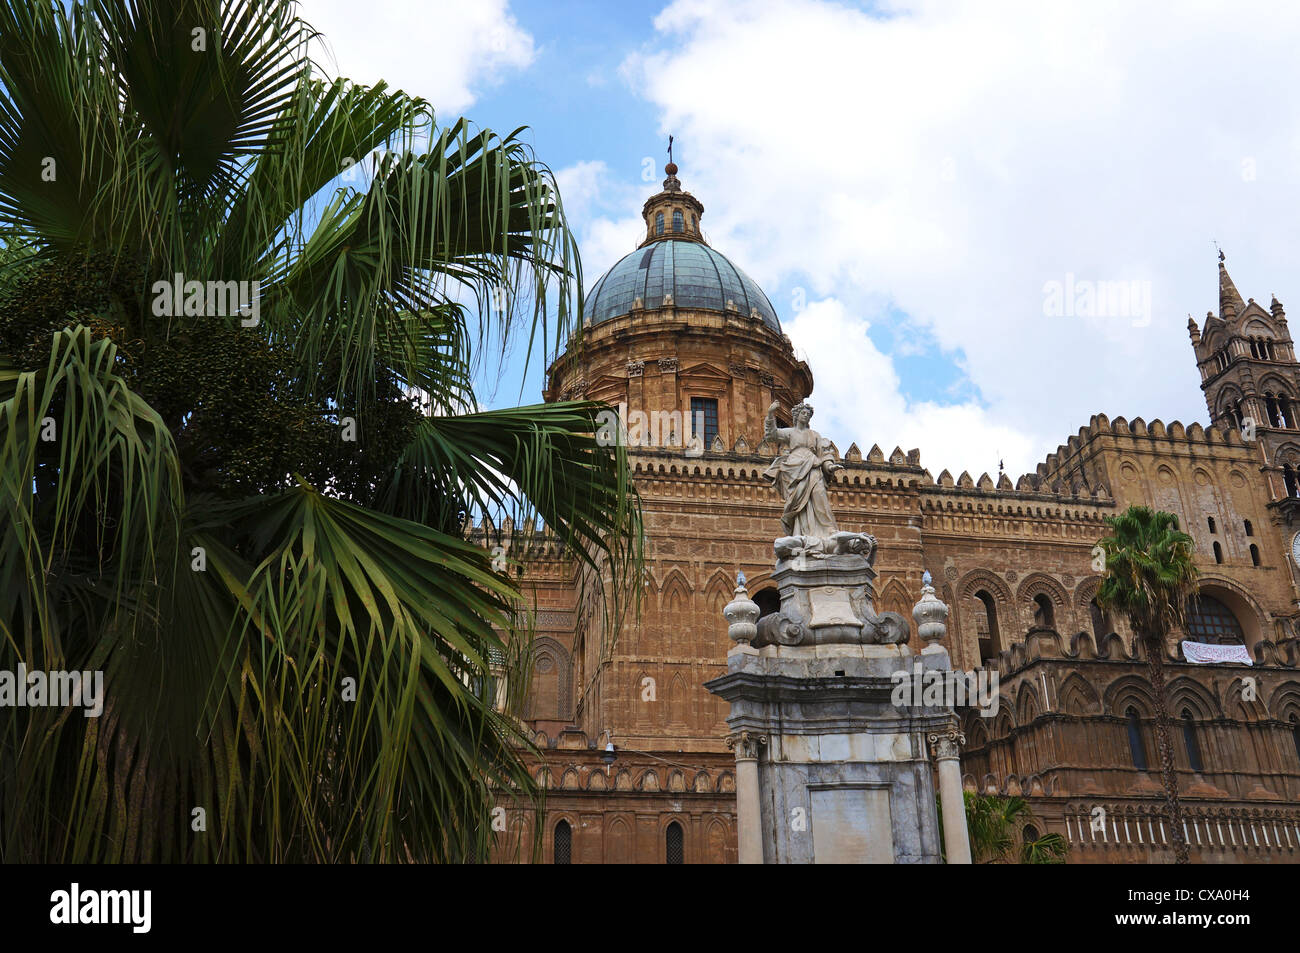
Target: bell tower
x=1251, y=380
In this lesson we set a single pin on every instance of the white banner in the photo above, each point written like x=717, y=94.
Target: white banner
x=1203, y=653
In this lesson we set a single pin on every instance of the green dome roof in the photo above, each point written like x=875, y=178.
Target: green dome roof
x=693, y=273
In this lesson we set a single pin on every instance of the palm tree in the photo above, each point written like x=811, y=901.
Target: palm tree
x=1001, y=832
x=249, y=512
x=1150, y=576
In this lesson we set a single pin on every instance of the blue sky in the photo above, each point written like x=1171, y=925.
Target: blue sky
x=908, y=181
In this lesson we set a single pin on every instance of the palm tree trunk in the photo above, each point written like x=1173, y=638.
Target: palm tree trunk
x=1155, y=646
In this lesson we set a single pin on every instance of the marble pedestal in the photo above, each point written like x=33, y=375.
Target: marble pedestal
x=829, y=770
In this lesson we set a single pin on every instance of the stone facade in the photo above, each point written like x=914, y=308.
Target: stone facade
x=1013, y=559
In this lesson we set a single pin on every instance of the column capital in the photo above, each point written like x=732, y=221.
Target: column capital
x=946, y=745
x=746, y=744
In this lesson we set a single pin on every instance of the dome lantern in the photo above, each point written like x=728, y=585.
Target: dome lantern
x=672, y=213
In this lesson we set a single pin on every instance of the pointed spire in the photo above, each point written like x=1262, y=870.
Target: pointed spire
x=1193, y=331
x=1230, y=303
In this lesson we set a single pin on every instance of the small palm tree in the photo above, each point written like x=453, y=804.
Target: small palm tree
x=997, y=829
x=1150, y=576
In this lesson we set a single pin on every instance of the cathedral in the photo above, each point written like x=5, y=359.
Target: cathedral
x=637, y=763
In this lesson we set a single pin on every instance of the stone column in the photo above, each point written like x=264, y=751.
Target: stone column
x=749, y=827
x=944, y=748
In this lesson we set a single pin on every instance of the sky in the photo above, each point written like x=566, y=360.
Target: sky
x=979, y=222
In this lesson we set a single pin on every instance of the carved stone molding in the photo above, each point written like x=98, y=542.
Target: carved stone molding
x=746, y=744
x=946, y=745
x=635, y=368
x=668, y=364
x=767, y=380
x=738, y=370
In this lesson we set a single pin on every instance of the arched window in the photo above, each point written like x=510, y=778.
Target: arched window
x=679, y=224
x=1029, y=834
x=1099, y=626
x=1271, y=410
x=1209, y=620
x=1137, y=749
x=1295, y=733
x=694, y=228
x=1254, y=555
x=986, y=629
x=1218, y=553
x=674, y=849
x=1288, y=478
x=1189, y=742
x=1250, y=530
x=1044, y=614
x=659, y=223
x=563, y=843
x=1210, y=520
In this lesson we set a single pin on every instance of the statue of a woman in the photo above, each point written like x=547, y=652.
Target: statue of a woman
x=800, y=474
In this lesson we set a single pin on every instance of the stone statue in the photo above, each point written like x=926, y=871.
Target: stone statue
x=800, y=476
x=824, y=575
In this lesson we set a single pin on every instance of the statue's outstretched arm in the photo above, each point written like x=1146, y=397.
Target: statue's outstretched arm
x=770, y=430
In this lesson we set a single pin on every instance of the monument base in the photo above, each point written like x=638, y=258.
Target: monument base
x=835, y=770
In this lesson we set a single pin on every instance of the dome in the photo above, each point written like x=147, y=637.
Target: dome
x=693, y=273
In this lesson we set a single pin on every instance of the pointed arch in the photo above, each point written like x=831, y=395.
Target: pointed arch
x=550, y=695
x=1285, y=701
x=679, y=697
x=619, y=842
x=1078, y=697
x=894, y=597
x=1184, y=692
x=717, y=593
x=1129, y=691
x=1027, y=705
x=1038, y=584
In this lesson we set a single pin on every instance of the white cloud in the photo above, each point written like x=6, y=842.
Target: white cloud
x=443, y=52
x=591, y=195
x=858, y=398
x=953, y=158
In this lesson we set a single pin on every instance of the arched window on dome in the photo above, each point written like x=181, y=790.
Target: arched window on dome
x=694, y=228
x=659, y=223
x=679, y=223
x=1209, y=620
